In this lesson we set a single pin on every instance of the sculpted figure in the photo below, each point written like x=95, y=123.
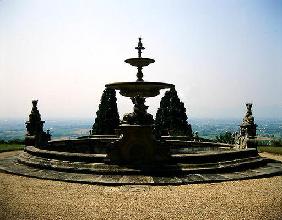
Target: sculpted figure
x=247, y=130
x=35, y=135
x=248, y=119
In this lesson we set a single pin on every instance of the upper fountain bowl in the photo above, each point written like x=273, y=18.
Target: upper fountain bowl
x=140, y=61
x=141, y=89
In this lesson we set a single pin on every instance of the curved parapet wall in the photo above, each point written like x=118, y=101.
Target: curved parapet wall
x=188, y=143
x=91, y=144
x=177, y=146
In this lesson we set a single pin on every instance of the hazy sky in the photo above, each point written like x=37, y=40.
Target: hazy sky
x=219, y=54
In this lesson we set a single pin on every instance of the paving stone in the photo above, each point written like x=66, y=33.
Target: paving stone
x=166, y=180
x=111, y=178
x=278, y=165
x=131, y=179
x=235, y=176
x=214, y=177
x=193, y=178
x=89, y=178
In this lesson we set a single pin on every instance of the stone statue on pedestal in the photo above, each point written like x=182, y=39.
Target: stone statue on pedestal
x=35, y=135
x=247, y=130
x=248, y=127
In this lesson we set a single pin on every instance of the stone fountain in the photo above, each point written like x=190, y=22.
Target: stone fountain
x=138, y=144
x=135, y=155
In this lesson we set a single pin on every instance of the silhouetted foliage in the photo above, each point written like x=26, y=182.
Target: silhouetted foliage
x=276, y=143
x=226, y=137
x=107, y=117
x=171, y=118
x=13, y=141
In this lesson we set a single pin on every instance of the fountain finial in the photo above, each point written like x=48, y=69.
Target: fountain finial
x=139, y=62
x=140, y=47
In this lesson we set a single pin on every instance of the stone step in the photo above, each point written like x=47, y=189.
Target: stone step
x=196, y=158
x=227, y=166
x=65, y=155
x=214, y=156
x=166, y=169
x=10, y=165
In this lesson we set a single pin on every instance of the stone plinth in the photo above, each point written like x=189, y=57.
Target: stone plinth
x=137, y=146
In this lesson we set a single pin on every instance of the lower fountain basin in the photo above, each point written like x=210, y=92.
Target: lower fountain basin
x=142, y=89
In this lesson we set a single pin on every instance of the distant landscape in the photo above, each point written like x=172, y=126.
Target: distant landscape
x=71, y=128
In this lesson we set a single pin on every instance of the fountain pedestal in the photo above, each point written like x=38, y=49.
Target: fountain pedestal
x=138, y=146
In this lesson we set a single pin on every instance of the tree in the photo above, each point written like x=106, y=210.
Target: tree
x=107, y=117
x=171, y=118
x=226, y=137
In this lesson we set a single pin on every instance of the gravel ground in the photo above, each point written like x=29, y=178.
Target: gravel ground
x=29, y=198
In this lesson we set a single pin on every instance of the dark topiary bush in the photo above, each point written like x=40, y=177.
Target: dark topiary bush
x=107, y=119
x=171, y=118
x=226, y=137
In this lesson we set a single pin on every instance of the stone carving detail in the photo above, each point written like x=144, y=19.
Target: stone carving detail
x=248, y=119
x=247, y=135
x=35, y=135
x=140, y=115
x=248, y=127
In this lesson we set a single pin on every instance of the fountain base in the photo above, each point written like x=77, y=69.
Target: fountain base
x=184, y=167
x=137, y=146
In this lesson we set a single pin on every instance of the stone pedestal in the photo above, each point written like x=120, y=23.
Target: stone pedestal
x=35, y=136
x=248, y=130
x=137, y=146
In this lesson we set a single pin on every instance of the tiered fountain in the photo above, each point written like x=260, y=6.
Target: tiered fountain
x=138, y=144
x=136, y=156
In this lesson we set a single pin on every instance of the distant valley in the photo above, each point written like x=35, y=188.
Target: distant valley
x=72, y=128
